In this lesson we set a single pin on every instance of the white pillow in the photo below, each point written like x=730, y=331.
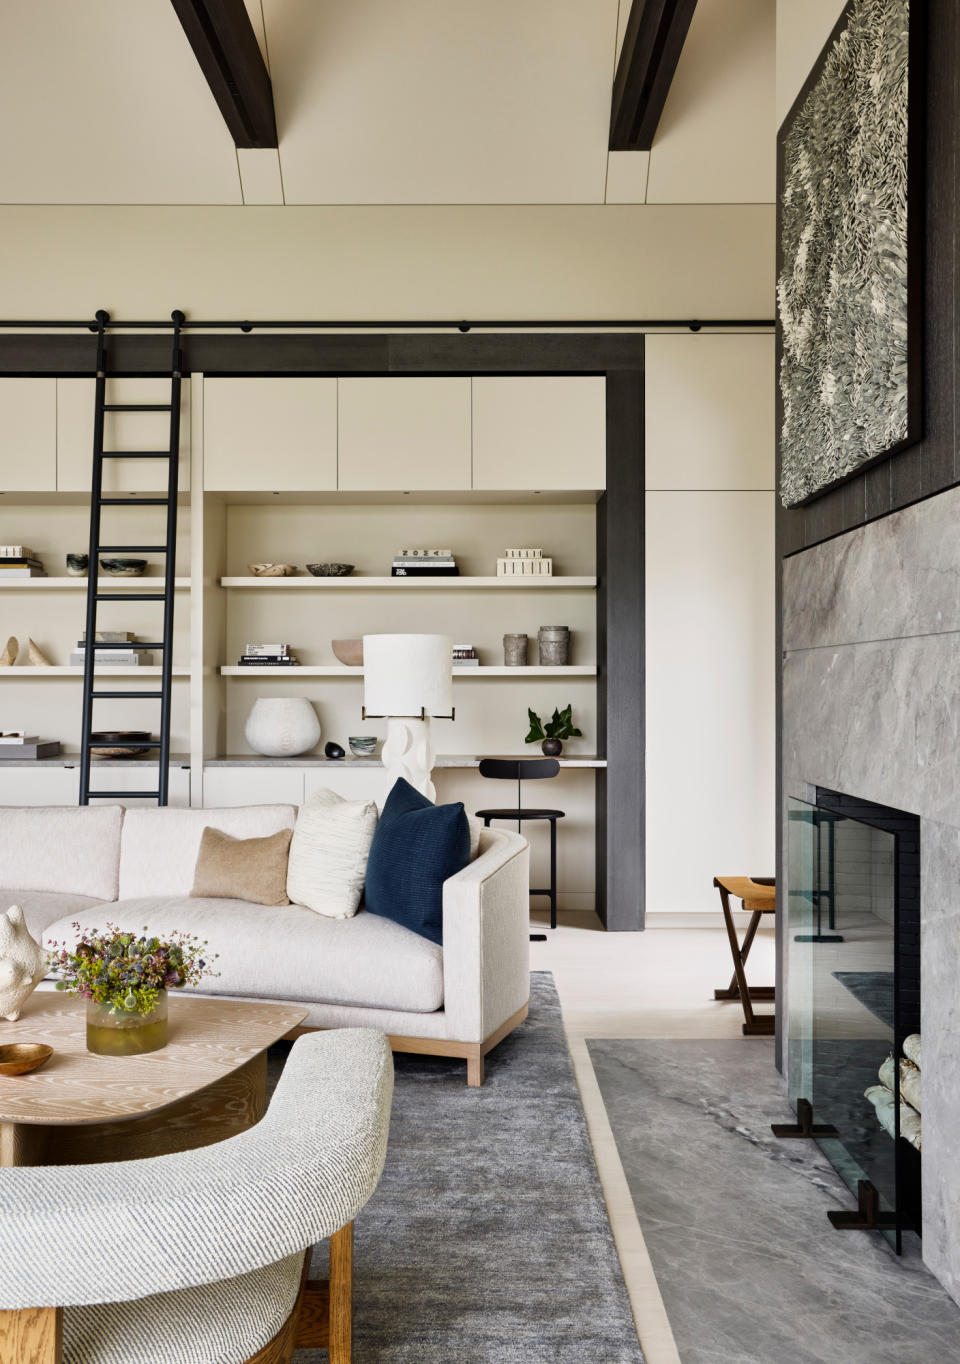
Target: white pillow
x=328, y=854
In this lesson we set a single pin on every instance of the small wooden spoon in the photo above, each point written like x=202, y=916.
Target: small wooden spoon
x=20, y=1057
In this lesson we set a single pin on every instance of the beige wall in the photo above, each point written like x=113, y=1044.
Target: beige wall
x=803, y=26
x=381, y=263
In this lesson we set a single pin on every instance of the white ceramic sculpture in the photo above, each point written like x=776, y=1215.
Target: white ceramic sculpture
x=282, y=726
x=23, y=963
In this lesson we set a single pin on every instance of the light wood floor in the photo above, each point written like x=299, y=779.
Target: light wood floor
x=654, y=984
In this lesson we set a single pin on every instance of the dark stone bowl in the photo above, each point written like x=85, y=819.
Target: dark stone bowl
x=330, y=570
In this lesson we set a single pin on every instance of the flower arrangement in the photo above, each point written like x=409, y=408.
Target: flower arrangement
x=127, y=973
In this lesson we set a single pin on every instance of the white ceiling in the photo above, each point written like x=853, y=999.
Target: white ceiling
x=380, y=102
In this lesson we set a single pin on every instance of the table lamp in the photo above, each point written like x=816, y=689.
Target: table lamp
x=407, y=680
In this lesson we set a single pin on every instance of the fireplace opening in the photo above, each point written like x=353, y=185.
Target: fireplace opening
x=853, y=906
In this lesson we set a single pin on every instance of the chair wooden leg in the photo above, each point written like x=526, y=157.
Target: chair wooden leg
x=475, y=1067
x=33, y=1335
x=341, y=1295
x=738, y=971
x=733, y=990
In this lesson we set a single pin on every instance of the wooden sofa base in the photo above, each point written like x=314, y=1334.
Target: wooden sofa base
x=322, y=1319
x=472, y=1052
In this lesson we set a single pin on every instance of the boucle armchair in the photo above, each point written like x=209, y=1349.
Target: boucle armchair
x=201, y=1257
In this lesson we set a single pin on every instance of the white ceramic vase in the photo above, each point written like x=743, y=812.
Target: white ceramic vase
x=23, y=963
x=282, y=726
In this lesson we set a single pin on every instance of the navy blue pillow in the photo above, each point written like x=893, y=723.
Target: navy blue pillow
x=416, y=847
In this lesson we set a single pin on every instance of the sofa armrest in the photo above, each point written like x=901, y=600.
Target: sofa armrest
x=486, y=938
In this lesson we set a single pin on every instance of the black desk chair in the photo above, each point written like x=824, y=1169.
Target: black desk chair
x=520, y=770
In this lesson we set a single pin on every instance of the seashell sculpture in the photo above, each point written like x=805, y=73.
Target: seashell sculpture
x=23, y=963
x=9, y=655
x=35, y=655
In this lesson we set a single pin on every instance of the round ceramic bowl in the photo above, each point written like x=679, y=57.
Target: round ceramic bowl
x=363, y=745
x=330, y=570
x=118, y=743
x=272, y=570
x=348, y=651
x=20, y=1057
x=124, y=568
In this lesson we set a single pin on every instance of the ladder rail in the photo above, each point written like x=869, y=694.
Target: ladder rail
x=96, y=491
x=170, y=566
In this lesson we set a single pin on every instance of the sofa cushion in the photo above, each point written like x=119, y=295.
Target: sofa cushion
x=158, y=851
x=289, y=952
x=328, y=854
x=417, y=846
x=43, y=907
x=231, y=868
x=74, y=851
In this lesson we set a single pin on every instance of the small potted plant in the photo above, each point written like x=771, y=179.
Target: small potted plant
x=125, y=979
x=550, y=736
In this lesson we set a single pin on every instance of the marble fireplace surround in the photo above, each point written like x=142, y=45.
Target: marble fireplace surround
x=871, y=707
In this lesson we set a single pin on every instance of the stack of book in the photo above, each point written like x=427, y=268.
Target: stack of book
x=425, y=563
x=17, y=561
x=267, y=656
x=121, y=650
x=465, y=656
x=16, y=745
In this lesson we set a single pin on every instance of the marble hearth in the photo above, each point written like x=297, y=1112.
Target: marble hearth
x=871, y=706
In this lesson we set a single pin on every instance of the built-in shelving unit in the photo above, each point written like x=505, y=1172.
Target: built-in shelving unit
x=371, y=582
x=80, y=584
x=340, y=670
x=23, y=670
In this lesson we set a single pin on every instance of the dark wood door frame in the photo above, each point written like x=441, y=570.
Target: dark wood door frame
x=619, y=357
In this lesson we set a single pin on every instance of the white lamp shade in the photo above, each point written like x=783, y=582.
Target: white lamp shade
x=404, y=674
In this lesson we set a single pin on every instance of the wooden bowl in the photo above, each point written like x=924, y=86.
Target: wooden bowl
x=348, y=651
x=20, y=1057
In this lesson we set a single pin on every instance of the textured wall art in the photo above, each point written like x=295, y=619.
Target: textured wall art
x=848, y=288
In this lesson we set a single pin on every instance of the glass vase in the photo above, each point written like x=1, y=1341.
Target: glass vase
x=112, y=1031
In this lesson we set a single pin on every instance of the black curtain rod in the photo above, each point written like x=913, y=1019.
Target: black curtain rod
x=692, y=324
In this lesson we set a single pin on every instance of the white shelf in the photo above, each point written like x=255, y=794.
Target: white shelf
x=28, y=670
x=106, y=582
x=339, y=670
x=368, y=583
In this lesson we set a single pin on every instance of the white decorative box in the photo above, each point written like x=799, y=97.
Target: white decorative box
x=524, y=568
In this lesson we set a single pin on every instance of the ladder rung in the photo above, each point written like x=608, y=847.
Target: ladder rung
x=139, y=743
x=131, y=596
x=135, y=454
x=136, y=407
x=134, y=501
x=126, y=696
x=122, y=795
x=131, y=549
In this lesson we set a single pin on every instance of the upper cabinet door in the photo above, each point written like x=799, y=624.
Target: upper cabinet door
x=121, y=431
x=28, y=435
x=533, y=433
x=269, y=435
x=404, y=434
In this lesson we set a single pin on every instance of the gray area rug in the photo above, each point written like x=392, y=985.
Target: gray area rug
x=750, y=1270
x=488, y=1238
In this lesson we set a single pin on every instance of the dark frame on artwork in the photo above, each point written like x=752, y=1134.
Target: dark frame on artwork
x=916, y=180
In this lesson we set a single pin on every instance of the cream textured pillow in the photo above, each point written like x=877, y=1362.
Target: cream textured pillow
x=242, y=868
x=328, y=854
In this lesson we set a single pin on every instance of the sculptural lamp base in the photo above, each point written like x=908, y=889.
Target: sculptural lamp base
x=114, y=1032
x=408, y=753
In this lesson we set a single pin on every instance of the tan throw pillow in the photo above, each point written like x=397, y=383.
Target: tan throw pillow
x=242, y=868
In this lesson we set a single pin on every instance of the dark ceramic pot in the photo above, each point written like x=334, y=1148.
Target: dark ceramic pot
x=552, y=748
x=333, y=751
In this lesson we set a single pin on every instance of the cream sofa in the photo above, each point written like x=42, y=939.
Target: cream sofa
x=134, y=868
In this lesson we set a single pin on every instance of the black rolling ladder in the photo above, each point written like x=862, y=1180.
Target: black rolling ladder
x=164, y=645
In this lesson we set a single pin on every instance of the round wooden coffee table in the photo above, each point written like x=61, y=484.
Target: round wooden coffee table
x=208, y=1083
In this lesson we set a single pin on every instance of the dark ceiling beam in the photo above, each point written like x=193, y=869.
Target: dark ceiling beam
x=652, y=44
x=226, y=47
